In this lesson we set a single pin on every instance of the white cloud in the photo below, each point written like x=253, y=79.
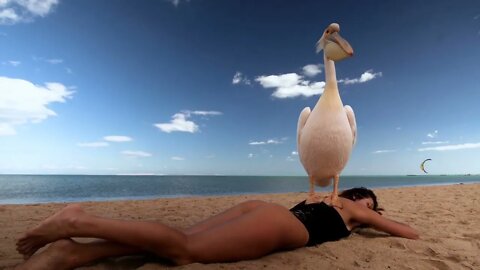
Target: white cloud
x=240, y=78
x=182, y=124
x=178, y=158
x=6, y=130
x=277, y=81
x=174, y=2
x=37, y=7
x=54, y=61
x=136, y=154
x=257, y=143
x=115, y=138
x=8, y=15
x=178, y=123
x=438, y=142
x=312, y=70
x=250, y=155
x=93, y=144
x=177, y=2
x=237, y=78
x=307, y=90
x=290, y=85
x=204, y=113
x=451, y=147
x=23, y=102
x=433, y=134
x=270, y=141
x=14, y=11
x=12, y=63
x=289, y=158
x=295, y=153
x=383, y=151
x=365, y=77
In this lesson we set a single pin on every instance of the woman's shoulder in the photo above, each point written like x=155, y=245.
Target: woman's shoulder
x=348, y=204
x=354, y=210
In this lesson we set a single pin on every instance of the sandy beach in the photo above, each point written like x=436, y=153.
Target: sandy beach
x=447, y=218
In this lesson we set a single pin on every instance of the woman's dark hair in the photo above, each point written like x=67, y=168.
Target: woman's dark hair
x=361, y=193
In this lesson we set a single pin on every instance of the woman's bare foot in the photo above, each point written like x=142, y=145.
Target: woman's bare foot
x=57, y=256
x=51, y=229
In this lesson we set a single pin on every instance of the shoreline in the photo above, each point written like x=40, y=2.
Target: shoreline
x=446, y=217
x=129, y=198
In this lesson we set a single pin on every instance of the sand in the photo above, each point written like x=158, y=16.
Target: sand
x=447, y=217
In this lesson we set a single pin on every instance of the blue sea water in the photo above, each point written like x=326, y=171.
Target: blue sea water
x=21, y=189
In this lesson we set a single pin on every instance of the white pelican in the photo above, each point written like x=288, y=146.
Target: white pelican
x=326, y=135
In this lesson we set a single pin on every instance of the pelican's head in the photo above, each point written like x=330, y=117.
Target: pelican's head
x=335, y=47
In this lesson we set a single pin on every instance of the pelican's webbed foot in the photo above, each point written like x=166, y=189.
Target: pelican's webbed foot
x=313, y=198
x=333, y=201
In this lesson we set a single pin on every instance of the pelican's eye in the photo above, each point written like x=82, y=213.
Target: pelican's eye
x=327, y=32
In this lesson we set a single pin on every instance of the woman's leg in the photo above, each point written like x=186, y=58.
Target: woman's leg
x=72, y=221
x=68, y=254
x=250, y=235
x=225, y=216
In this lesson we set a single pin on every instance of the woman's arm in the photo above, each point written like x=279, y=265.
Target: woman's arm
x=367, y=216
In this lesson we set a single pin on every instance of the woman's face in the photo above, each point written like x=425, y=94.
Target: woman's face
x=368, y=202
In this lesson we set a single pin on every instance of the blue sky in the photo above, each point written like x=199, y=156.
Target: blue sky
x=216, y=87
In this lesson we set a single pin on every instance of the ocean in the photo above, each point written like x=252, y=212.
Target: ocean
x=23, y=189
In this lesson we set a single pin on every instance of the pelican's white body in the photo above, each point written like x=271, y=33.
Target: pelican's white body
x=326, y=135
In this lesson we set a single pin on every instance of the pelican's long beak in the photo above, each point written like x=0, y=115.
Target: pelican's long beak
x=335, y=47
x=344, y=45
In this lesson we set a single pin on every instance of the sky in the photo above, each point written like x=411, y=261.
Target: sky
x=216, y=87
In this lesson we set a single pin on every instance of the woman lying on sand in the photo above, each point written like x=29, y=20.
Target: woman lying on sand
x=246, y=231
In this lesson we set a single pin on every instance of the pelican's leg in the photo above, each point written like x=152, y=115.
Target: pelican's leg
x=311, y=194
x=334, y=201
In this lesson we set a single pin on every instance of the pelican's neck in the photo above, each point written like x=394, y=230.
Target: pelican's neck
x=330, y=75
x=330, y=93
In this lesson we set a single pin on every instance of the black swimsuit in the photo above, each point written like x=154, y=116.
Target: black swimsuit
x=322, y=222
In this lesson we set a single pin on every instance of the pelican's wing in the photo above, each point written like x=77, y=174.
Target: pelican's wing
x=301, y=122
x=351, y=120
